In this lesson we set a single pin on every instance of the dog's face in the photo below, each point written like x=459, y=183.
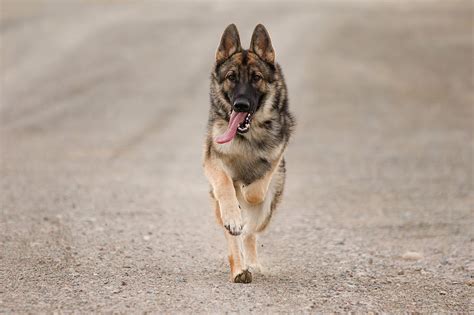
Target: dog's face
x=244, y=77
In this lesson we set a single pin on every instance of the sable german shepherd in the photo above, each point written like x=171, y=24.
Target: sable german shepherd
x=248, y=130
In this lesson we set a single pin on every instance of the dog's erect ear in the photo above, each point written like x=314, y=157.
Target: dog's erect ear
x=262, y=45
x=230, y=44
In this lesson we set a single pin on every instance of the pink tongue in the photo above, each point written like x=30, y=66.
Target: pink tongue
x=236, y=118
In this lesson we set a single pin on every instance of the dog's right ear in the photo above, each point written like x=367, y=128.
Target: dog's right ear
x=230, y=44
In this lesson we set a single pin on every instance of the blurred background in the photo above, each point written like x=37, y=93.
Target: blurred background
x=103, y=111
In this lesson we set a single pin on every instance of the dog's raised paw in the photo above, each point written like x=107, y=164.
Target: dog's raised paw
x=244, y=277
x=234, y=229
x=233, y=224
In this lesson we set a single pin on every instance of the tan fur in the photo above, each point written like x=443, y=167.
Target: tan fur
x=255, y=204
x=250, y=250
x=218, y=213
x=235, y=258
x=223, y=191
x=255, y=192
x=231, y=264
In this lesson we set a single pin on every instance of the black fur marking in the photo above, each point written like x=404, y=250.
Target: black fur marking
x=276, y=103
x=267, y=124
x=208, y=147
x=265, y=161
x=249, y=172
x=245, y=57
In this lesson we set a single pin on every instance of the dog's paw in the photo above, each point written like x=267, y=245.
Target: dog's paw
x=244, y=277
x=234, y=227
x=233, y=223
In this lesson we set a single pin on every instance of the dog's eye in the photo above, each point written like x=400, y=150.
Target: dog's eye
x=231, y=77
x=256, y=77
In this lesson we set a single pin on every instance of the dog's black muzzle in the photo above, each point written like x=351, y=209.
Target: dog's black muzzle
x=241, y=104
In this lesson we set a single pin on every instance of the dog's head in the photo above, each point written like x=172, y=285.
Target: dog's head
x=243, y=77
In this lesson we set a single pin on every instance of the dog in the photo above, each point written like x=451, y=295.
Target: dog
x=248, y=131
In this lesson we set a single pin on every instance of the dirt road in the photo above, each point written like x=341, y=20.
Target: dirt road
x=104, y=206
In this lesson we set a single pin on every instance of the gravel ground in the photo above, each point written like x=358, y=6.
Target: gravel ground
x=104, y=206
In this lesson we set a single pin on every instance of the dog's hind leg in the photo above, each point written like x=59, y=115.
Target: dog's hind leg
x=238, y=269
x=250, y=252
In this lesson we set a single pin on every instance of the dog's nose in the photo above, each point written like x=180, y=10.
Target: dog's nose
x=241, y=105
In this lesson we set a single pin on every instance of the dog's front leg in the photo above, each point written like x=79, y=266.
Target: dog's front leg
x=224, y=192
x=228, y=208
x=255, y=192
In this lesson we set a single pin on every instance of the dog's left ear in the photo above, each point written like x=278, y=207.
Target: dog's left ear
x=262, y=45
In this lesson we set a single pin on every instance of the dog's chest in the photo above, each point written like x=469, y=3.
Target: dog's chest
x=246, y=170
x=243, y=163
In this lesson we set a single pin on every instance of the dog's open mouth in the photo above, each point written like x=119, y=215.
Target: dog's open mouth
x=238, y=122
x=245, y=125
